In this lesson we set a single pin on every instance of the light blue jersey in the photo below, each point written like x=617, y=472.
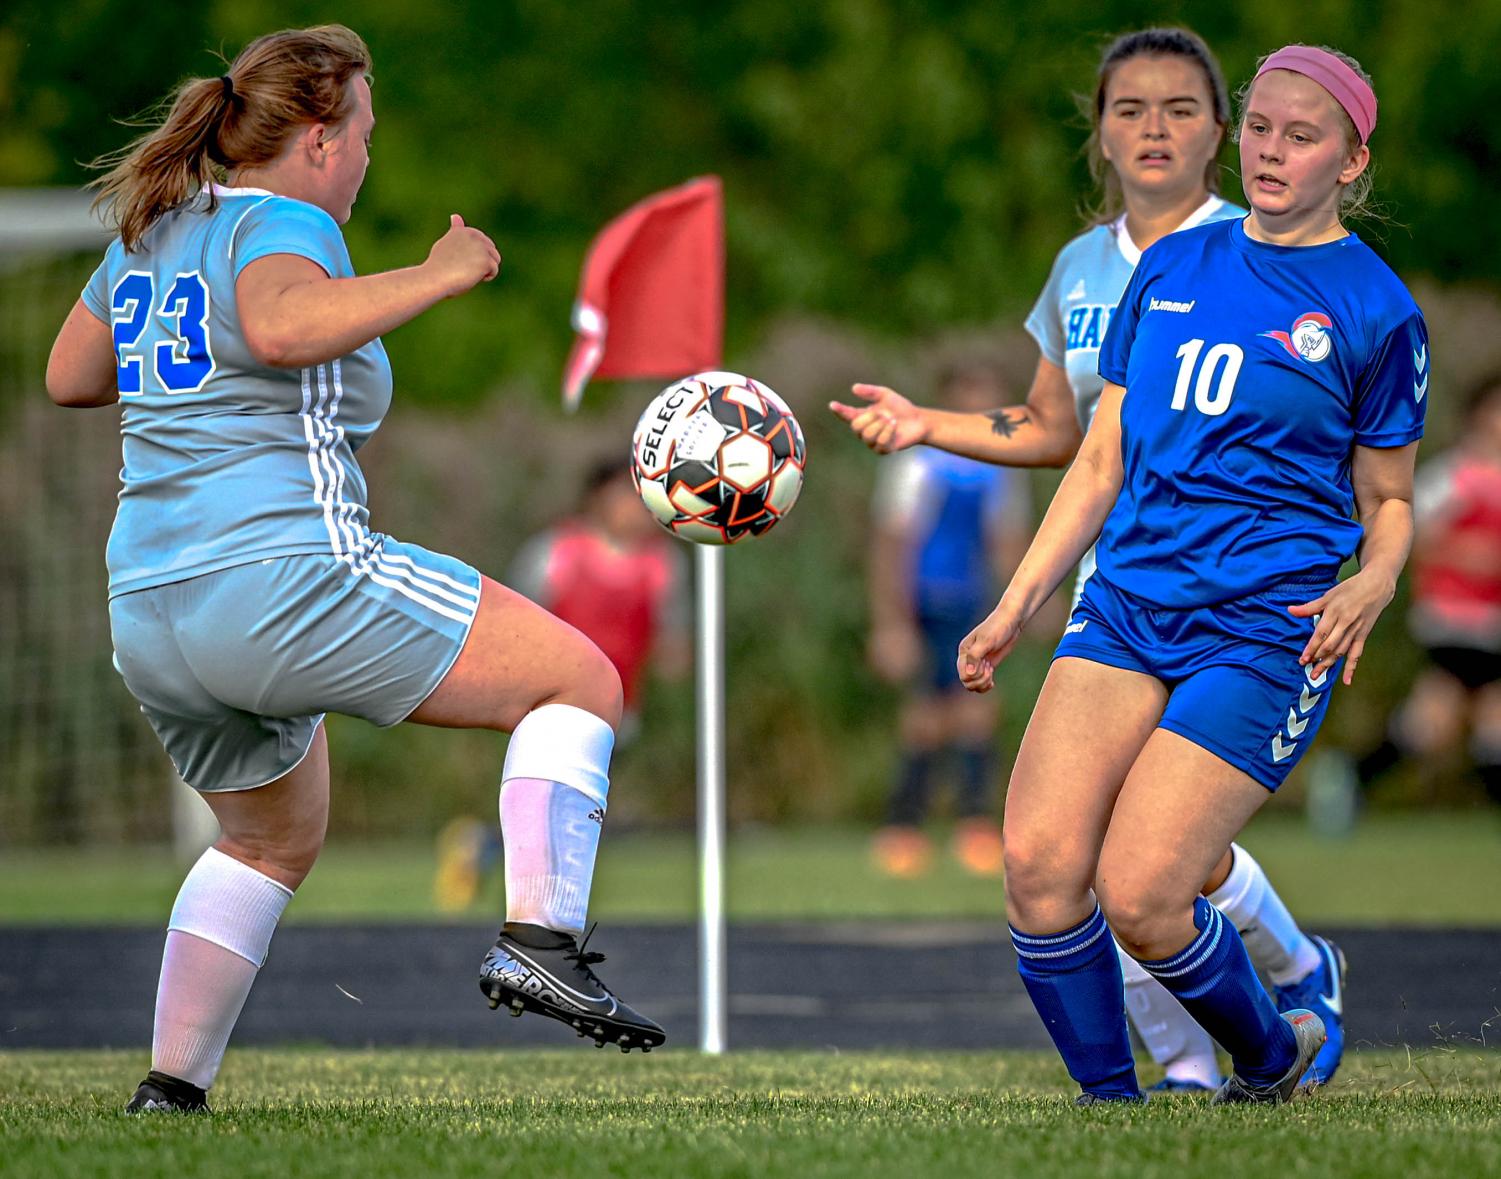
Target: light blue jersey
x=227, y=461
x=1072, y=314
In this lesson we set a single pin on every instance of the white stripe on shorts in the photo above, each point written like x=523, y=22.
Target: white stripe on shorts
x=472, y=593
x=353, y=544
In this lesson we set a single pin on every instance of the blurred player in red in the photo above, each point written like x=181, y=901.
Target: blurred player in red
x=948, y=529
x=612, y=573
x=1455, y=616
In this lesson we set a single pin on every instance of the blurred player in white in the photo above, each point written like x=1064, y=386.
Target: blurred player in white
x=248, y=595
x=1160, y=110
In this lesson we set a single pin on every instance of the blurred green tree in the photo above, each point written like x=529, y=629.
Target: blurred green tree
x=906, y=165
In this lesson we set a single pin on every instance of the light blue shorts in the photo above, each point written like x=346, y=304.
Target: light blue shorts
x=235, y=669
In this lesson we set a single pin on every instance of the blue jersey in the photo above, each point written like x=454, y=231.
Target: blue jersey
x=227, y=461
x=1252, y=371
x=949, y=509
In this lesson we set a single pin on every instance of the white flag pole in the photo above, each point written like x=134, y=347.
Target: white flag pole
x=709, y=674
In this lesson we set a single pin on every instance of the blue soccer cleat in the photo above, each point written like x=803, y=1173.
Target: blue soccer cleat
x=1322, y=992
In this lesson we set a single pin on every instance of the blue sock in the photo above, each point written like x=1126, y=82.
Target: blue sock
x=909, y=801
x=1074, y=979
x=1213, y=979
x=976, y=781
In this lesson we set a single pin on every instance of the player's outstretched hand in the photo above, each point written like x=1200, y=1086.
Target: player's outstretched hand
x=986, y=646
x=886, y=422
x=463, y=257
x=1346, y=615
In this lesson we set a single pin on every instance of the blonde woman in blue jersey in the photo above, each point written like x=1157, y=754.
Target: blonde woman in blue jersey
x=1159, y=114
x=1266, y=386
x=248, y=593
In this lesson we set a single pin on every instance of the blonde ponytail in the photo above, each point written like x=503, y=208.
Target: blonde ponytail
x=278, y=84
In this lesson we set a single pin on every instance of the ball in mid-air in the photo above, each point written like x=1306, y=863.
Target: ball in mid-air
x=718, y=457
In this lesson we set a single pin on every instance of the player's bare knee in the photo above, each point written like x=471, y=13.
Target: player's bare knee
x=595, y=687
x=1039, y=882
x=1144, y=922
x=286, y=856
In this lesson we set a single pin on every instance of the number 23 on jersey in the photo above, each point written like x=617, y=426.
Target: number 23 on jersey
x=182, y=362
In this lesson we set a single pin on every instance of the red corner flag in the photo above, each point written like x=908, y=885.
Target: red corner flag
x=651, y=299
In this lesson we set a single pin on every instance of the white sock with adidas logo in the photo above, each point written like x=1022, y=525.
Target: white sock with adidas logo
x=552, y=807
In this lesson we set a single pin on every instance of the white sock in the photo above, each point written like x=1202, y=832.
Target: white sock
x=217, y=940
x=552, y=806
x=1171, y=1035
x=1273, y=940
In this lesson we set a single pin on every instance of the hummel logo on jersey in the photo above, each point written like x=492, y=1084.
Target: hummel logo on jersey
x=1310, y=338
x=1074, y=628
x=1172, y=305
x=1420, y=365
x=1077, y=292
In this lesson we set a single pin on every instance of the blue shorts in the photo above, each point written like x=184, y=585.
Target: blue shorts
x=1232, y=669
x=235, y=669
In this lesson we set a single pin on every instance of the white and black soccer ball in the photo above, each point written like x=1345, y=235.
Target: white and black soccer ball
x=718, y=457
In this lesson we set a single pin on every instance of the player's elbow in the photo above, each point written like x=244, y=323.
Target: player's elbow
x=1060, y=455
x=272, y=352
x=71, y=390
x=271, y=345
x=1060, y=445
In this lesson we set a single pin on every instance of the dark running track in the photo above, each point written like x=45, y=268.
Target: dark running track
x=829, y=985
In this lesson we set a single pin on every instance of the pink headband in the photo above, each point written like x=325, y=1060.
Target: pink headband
x=1348, y=88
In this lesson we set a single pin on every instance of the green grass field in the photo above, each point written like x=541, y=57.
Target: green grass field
x=1407, y=868
x=584, y=1114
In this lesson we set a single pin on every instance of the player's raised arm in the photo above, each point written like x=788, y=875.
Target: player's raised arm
x=294, y=315
x=1043, y=432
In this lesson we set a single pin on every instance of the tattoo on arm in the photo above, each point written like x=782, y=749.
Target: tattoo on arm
x=1006, y=422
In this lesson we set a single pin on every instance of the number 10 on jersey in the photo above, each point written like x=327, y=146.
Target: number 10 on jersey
x=1211, y=396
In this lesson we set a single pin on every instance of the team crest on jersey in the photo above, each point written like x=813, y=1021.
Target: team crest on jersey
x=1311, y=338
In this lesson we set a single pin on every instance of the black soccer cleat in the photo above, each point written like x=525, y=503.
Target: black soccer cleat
x=535, y=969
x=161, y=1092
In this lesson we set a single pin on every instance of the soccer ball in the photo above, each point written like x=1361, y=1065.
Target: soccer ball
x=718, y=457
